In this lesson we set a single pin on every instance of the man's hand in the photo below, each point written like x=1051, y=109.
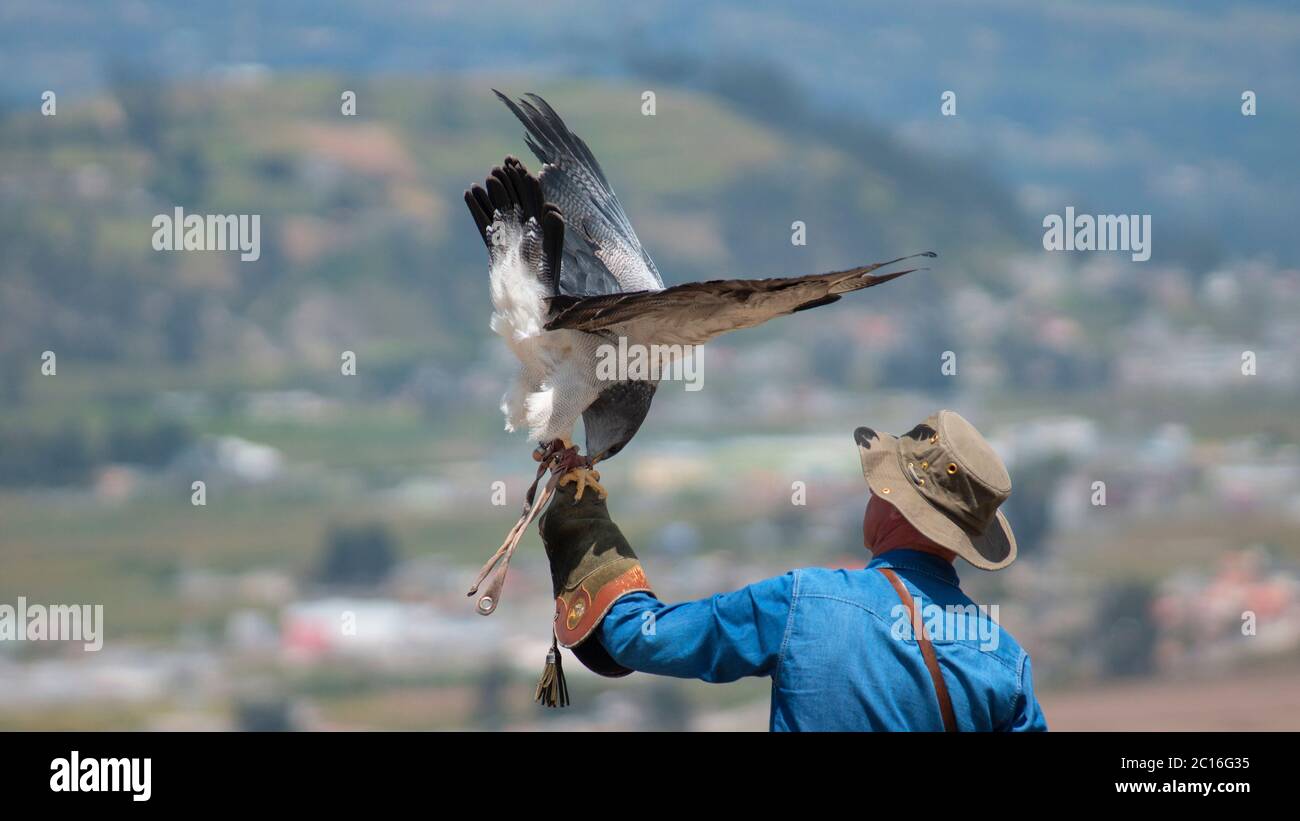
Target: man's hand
x=592, y=566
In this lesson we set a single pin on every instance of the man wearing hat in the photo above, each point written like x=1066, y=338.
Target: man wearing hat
x=893, y=646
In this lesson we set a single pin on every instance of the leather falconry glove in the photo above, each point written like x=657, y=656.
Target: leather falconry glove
x=592, y=566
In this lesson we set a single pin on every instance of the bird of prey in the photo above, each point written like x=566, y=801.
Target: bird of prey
x=569, y=275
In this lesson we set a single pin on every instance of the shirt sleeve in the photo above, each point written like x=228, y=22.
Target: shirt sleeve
x=1028, y=716
x=721, y=638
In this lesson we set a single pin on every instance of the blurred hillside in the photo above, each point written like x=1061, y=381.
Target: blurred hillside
x=364, y=235
x=1119, y=106
x=365, y=245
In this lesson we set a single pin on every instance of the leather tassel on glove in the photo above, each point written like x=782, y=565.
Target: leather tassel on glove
x=552, y=689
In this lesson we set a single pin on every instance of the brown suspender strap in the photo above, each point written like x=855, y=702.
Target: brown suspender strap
x=927, y=651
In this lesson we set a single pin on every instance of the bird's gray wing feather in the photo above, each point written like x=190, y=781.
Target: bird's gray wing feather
x=602, y=254
x=696, y=312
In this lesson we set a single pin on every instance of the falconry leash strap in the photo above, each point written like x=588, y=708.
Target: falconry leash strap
x=560, y=462
x=927, y=651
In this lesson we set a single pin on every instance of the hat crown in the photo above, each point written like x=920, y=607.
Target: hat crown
x=955, y=469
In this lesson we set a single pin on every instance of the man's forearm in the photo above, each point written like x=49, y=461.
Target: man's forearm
x=721, y=638
x=607, y=615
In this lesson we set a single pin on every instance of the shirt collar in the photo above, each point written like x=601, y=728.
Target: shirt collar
x=903, y=558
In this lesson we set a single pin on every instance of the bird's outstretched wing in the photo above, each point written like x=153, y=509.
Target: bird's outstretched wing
x=602, y=254
x=696, y=312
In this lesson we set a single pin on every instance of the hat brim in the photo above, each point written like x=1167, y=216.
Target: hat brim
x=993, y=549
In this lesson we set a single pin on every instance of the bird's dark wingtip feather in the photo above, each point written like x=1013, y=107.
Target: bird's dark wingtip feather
x=481, y=217
x=511, y=188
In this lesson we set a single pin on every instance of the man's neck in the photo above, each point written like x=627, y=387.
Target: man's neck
x=920, y=547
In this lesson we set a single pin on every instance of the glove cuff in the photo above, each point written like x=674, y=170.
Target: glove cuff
x=580, y=607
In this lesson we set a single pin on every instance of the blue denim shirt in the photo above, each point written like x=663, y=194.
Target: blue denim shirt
x=838, y=647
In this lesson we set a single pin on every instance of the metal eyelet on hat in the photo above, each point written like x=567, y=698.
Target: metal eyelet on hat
x=952, y=468
x=934, y=438
x=885, y=490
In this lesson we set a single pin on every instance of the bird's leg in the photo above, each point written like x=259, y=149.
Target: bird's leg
x=586, y=478
x=582, y=471
x=575, y=467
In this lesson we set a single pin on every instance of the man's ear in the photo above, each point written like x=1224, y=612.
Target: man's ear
x=874, y=518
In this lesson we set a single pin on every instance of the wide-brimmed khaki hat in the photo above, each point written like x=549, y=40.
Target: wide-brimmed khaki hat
x=948, y=482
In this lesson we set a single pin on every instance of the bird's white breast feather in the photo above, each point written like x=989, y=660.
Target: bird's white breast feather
x=518, y=316
x=517, y=294
x=556, y=380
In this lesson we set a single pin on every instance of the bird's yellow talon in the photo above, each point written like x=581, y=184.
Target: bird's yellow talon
x=585, y=478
